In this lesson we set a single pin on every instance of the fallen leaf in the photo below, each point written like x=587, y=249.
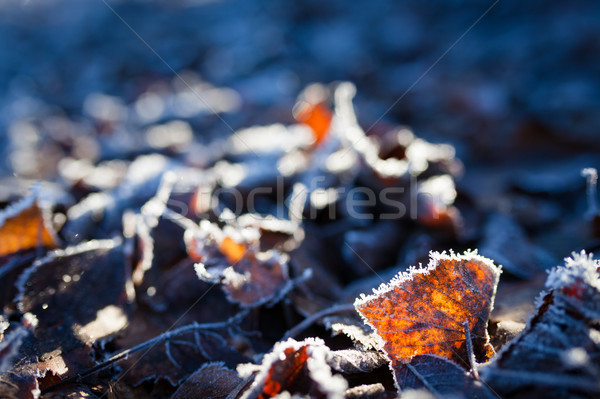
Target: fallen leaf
x=176, y=359
x=11, y=267
x=506, y=242
x=558, y=353
x=313, y=111
x=352, y=361
x=9, y=346
x=248, y=277
x=212, y=380
x=18, y=377
x=233, y=251
x=354, y=328
x=296, y=368
x=441, y=377
x=19, y=385
x=71, y=299
x=371, y=391
x=424, y=311
x=25, y=225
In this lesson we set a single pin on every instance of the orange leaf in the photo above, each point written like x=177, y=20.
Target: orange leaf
x=23, y=226
x=424, y=311
x=317, y=117
x=233, y=251
x=299, y=368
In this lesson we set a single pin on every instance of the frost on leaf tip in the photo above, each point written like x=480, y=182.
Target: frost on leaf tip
x=424, y=311
x=580, y=266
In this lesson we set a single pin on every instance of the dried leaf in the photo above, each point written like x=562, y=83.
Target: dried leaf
x=18, y=376
x=248, y=277
x=558, y=353
x=212, y=380
x=81, y=288
x=313, y=111
x=71, y=299
x=371, y=391
x=10, y=345
x=19, y=385
x=11, y=267
x=352, y=361
x=296, y=368
x=506, y=242
x=177, y=358
x=441, y=377
x=25, y=225
x=317, y=117
x=353, y=327
x=424, y=311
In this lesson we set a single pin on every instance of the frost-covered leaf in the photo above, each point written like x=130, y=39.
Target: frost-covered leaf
x=296, y=368
x=354, y=328
x=80, y=291
x=558, y=353
x=352, y=361
x=232, y=257
x=10, y=345
x=425, y=311
x=370, y=391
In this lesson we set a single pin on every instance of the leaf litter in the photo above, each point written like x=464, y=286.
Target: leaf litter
x=159, y=283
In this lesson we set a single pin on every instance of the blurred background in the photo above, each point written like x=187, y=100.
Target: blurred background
x=88, y=78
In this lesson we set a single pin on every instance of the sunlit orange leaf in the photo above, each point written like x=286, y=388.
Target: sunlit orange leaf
x=232, y=250
x=23, y=226
x=316, y=116
x=424, y=311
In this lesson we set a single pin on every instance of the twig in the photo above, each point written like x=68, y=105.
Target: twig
x=304, y=324
x=149, y=344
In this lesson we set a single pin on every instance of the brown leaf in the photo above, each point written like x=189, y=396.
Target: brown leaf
x=296, y=368
x=424, y=311
x=10, y=345
x=176, y=359
x=248, y=277
x=212, y=380
x=25, y=225
x=73, y=298
x=18, y=378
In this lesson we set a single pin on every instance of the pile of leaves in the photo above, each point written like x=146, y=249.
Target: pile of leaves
x=242, y=267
